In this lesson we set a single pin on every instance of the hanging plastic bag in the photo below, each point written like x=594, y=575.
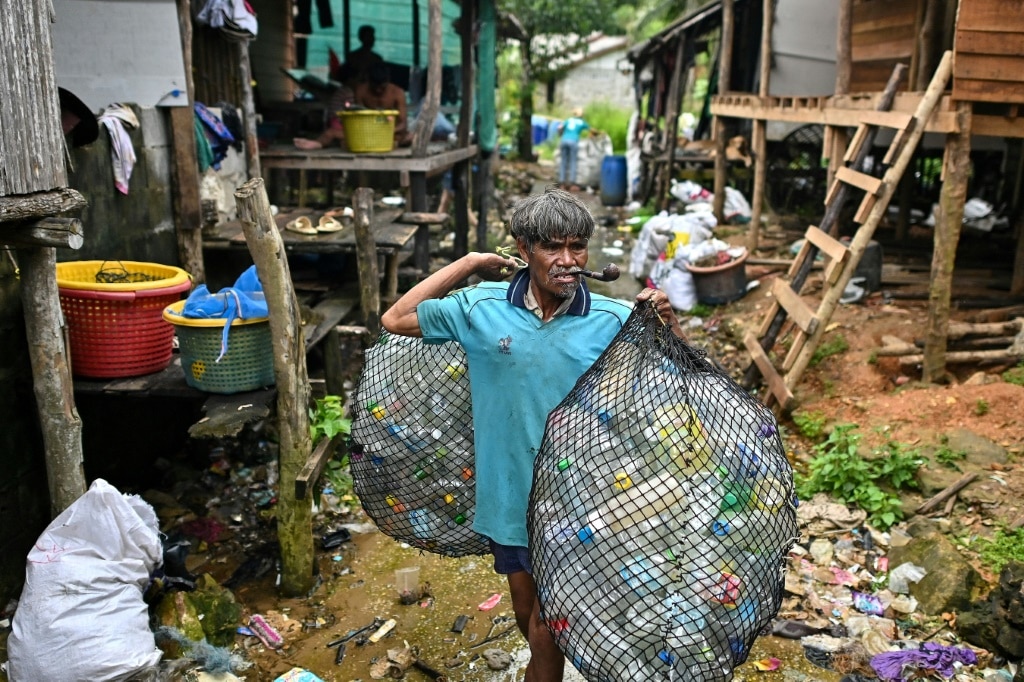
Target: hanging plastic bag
x=412, y=456
x=81, y=615
x=661, y=514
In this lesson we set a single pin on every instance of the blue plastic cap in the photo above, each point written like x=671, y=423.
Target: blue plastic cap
x=604, y=416
x=666, y=657
x=720, y=528
x=585, y=535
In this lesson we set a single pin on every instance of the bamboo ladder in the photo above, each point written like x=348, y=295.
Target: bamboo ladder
x=841, y=260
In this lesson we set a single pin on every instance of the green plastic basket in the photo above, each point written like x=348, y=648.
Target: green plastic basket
x=248, y=364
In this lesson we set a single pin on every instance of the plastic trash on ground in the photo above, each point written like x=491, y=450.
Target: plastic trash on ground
x=412, y=455
x=661, y=514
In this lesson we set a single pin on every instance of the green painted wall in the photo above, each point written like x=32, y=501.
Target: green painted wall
x=392, y=20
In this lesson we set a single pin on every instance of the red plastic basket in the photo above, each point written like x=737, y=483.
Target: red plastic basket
x=118, y=330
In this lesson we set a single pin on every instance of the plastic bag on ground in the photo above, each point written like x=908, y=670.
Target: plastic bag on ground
x=81, y=615
x=412, y=456
x=661, y=514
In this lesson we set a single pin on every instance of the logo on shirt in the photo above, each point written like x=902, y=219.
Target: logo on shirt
x=504, y=345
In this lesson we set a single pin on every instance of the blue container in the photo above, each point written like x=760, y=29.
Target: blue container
x=613, y=181
x=540, y=128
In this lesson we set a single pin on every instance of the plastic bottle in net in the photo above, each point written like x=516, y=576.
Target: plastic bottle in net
x=661, y=514
x=412, y=455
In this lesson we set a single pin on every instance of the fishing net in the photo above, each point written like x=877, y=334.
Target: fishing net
x=412, y=455
x=661, y=514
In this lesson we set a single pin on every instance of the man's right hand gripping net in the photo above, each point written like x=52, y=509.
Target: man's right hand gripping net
x=412, y=456
x=661, y=514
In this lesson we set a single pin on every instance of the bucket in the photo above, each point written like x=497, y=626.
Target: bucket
x=613, y=181
x=720, y=284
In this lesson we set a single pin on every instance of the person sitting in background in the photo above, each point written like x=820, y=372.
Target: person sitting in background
x=378, y=92
x=362, y=58
x=342, y=98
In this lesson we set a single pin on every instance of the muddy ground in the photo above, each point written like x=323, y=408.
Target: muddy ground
x=854, y=386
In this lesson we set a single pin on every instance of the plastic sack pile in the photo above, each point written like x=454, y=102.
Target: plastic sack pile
x=661, y=514
x=412, y=456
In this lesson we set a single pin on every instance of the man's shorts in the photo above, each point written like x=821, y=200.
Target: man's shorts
x=510, y=558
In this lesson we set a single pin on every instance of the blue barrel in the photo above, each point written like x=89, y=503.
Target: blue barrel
x=613, y=181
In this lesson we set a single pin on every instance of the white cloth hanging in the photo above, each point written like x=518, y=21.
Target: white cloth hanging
x=122, y=154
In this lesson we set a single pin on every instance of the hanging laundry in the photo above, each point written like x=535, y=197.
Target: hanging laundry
x=122, y=154
x=231, y=16
x=217, y=134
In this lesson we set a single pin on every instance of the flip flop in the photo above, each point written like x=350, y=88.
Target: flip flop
x=329, y=224
x=302, y=225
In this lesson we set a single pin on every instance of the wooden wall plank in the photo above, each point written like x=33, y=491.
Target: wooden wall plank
x=988, y=42
x=992, y=15
x=890, y=50
x=990, y=67
x=987, y=91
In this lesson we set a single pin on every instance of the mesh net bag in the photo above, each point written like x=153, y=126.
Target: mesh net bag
x=412, y=445
x=661, y=514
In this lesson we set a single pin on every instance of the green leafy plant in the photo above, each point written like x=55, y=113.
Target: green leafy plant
x=981, y=407
x=834, y=346
x=1004, y=546
x=947, y=456
x=327, y=420
x=810, y=424
x=871, y=483
x=873, y=358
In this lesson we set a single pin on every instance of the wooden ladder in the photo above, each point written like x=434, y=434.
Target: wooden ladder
x=841, y=260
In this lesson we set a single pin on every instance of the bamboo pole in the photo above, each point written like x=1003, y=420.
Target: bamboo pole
x=432, y=101
x=955, y=171
x=672, y=121
x=54, y=390
x=839, y=138
x=294, y=516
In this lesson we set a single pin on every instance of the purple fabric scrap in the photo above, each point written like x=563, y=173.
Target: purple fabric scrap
x=867, y=603
x=891, y=665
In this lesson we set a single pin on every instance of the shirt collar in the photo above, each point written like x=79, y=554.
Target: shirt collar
x=520, y=284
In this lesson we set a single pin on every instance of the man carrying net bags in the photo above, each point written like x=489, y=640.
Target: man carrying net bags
x=637, y=499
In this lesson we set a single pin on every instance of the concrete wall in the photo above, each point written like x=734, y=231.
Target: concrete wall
x=598, y=80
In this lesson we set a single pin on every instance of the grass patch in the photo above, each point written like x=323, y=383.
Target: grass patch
x=834, y=346
x=810, y=424
x=1014, y=375
x=871, y=483
x=948, y=457
x=1004, y=546
x=981, y=407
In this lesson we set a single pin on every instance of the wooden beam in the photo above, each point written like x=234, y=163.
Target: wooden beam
x=955, y=172
x=366, y=260
x=310, y=473
x=718, y=125
x=759, y=137
x=51, y=377
x=424, y=126
x=15, y=208
x=413, y=218
x=294, y=516
x=776, y=386
x=63, y=233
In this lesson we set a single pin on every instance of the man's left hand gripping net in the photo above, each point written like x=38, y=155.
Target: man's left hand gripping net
x=412, y=455
x=661, y=514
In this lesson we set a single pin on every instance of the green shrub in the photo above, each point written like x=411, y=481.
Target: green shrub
x=1014, y=375
x=810, y=424
x=834, y=346
x=327, y=420
x=1004, y=546
x=841, y=472
x=611, y=120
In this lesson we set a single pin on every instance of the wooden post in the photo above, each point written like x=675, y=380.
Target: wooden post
x=366, y=260
x=672, y=121
x=424, y=126
x=461, y=172
x=294, y=516
x=724, y=70
x=186, y=164
x=55, y=396
x=839, y=137
x=955, y=170
x=759, y=135
x=252, y=150
x=1017, y=279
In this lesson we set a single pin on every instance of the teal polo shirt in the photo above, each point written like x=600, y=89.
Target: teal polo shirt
x=520, y=368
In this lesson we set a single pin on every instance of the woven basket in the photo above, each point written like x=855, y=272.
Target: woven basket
x=248, y=364
x=369, y=130
x=115, y=328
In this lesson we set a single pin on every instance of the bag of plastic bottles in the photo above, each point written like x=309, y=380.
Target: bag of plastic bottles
x=412, y=455
x=661, y=514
